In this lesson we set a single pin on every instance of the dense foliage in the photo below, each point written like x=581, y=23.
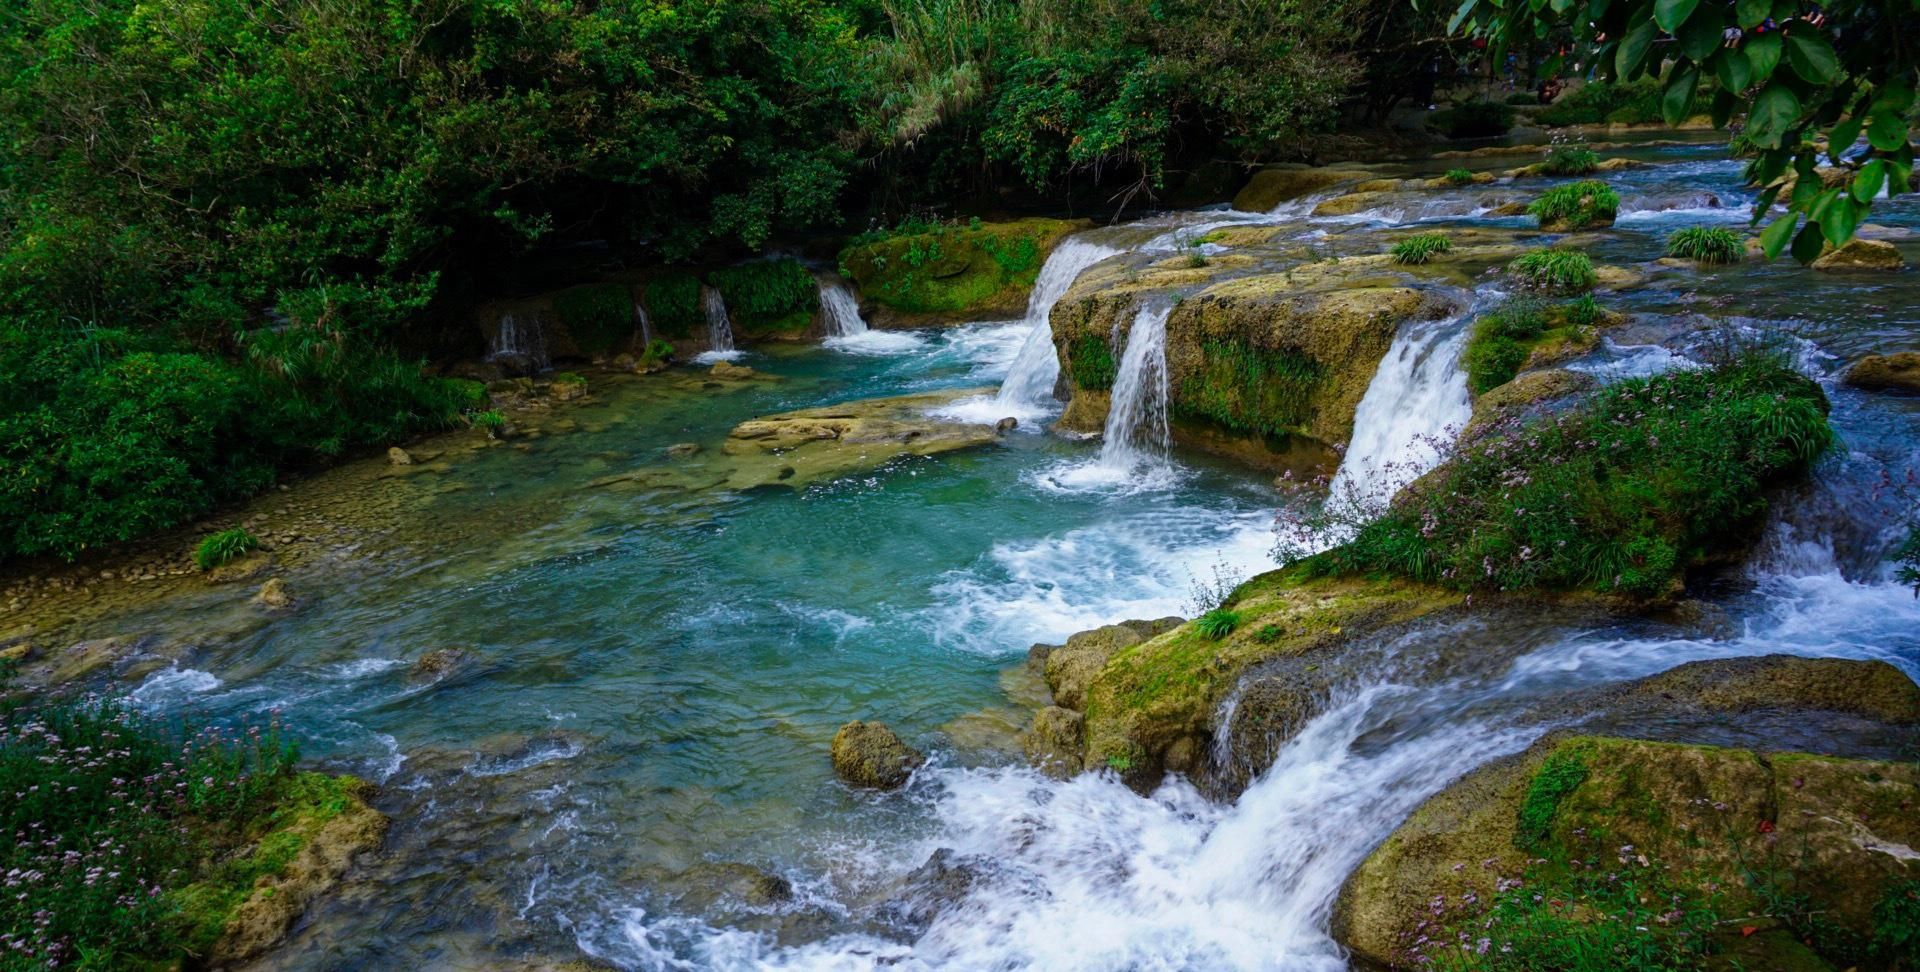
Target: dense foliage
x=1598, y=102
x=112, y=821
x=1620, y=494
x=1569, y=160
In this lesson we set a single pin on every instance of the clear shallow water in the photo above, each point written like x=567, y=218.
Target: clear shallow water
x=655, y=677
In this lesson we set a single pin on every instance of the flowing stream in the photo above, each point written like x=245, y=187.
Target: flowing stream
x=649, y=679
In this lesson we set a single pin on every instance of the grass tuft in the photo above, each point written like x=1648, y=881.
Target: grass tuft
x=1421, y=248
x=1554, y=271
x=1576, y=205
x=223, y=547
x=1706, y=244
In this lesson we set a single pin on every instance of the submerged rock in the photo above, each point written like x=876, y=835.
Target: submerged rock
x=1860, y=254
x=438, y=664
x=943, y=881
x=1006, y=425
x=815, y=444
x=274, y=595
x=868, y=754
x=1871, y=690
x=1899, y=371
x=683, y=450
x=244, y=568
x=399, y=457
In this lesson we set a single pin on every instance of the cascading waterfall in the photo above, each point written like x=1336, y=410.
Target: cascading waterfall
x=1414, y=406
x=1030, y=381
x=521, y=339
x=842, y=310
x=719, y=326
x=642, y=323
x=1137, y=433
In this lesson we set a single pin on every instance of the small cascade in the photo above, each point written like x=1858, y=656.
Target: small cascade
x=719, y=326
x=1414, y=407
x=842, y=310
x=520, y=343
x=1030, y=381
x=1137, y=433
x=642, y=324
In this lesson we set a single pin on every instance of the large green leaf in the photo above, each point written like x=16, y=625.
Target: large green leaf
x=1774, y=111
x=1841, y=137
x=1700, y=36
x=1733, y=69
x=1676, y=103
x=1670, y=14
x=1887, y=131
x=1774, y=238
x=1868, y=182
x=1751, y=12
x=1724, y=104
x=1763, y=52
x=1811, y=56
x=1808, y=243
x=1633, y=49
x=1838, y=220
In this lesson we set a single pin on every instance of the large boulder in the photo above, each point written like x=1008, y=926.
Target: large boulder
x=1525, y=396
x=1872, y=690
x=868, y=754
x=1899, y=371
x=814, y=444
x=1272, y=186
x=1860, y=255
x=1837, y=832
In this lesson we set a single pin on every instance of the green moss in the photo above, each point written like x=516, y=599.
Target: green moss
x=599, y=316
x=777, y=296
x=950, y=268
x=1561, y=774
x=1250, y=390
x=673, y=304
x=1091, y=361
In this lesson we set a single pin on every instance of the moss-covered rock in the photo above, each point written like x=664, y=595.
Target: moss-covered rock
x=1152, y=697
x=1265, y=369
x=1860, y=255
x=950, y=274
x=1836, y=833
x=1272, y=186
x=1524, y=396
x=1872, y=690
x=304, y=846
x=869, y=754
x=1054, y=744
x=1899, y=371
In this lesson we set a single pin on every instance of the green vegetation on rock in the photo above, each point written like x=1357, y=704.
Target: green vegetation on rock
x=1569, y=160
x=137, y=843
x=598, y=316
x=1504, y=339
x=1576, y=206
x=1620, y=494
x=942, y=268
x=1554, y=271
x=1597, y=102
x=1459, y=177
x=1090, y=359
x=1561, y=774
x=221, y=548
x=1248, y=389
x=673, y=304
x=1706, y=244
x=768, y=296
x=1421, y=247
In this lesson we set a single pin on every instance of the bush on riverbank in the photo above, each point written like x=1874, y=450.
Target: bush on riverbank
x=1597, y=102
x=1473, y=119
x=132, y=841
x=1649, y=476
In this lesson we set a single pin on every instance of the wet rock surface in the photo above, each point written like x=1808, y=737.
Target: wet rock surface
x=870, y=755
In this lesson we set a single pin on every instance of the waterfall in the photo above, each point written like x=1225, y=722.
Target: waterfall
x=642, y=324
x=1414, y=406
x=1030, y=380
x=842, y=311
x=719, y=328
x=520, y=341
x=1137, y=433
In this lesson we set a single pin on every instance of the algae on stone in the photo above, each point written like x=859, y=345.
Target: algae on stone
x=946, y=274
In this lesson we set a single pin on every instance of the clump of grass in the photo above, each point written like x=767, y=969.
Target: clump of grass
x=1501, y=341
x=1568, y=160
x=1620, y=494
x=1577, y=205
x=490, y=419
x=1459, y=177
x=1217, y=623
x=1421, y=248
x=221, y=548
x=1554, y=271
x=1706, y=244
x=569, y=378
x=1582, y=311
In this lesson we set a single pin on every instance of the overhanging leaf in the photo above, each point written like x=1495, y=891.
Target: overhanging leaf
x=1887, y=131
x=1808, y=243
x=1869, y=180
x=1733, y=69
x=1670, y=14
x=1774, y=111
x=1724, y=104
x=1841, y=137
x=1774, y=238
x=1840, y=218
x=1763, y=53
x=1700, y=36
x=1466, y=7
x=1811, y=56
x=1677, y=101
x=1751, y=12
x=1633, y=49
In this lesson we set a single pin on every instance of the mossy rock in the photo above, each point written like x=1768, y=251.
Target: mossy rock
x=1860, y=255
x=1150, y=696
x=1838, y=831
x=870, y=755
x=1873, y=690
x=952, y=274
x=1272, y=186
x=1524, y=395
x=1899, y=371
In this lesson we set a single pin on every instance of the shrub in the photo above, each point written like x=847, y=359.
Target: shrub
x=673, y=305
x=1896, y=925
x=1576, y=205
x=1600, y=102
x=1554, y=271
x=1567, y=160
x=1420, y=248
x=1460, y=177
x=221, y=548
x=1583, y=311
x=1500, y=343
x=768, y=295
x=115, y=822
x=598, y=316
x=1646, y=477
x=1217, y=623
x=489, y=419
x=1473, y=119
x=1706, y=244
